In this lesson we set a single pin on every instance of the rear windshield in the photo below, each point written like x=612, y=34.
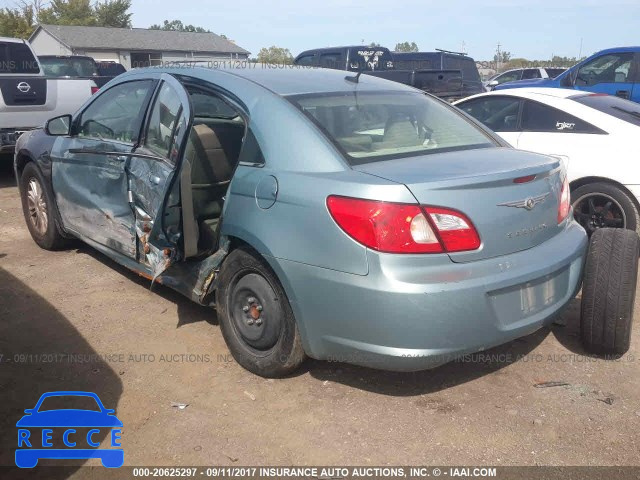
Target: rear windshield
x=374, y=126
x=370, y=58
x=17, y=58
x=68, y=67
x=618, y=107
x=110, y=69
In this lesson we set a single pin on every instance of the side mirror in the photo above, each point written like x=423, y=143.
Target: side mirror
x=59, y=126
x=493, y=83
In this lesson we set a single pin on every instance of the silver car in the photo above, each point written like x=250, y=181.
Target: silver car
x=322, y=213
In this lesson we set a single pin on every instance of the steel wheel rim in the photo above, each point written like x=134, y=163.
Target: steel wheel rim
x=599, y=210
x=256, y=313
x=37, y=206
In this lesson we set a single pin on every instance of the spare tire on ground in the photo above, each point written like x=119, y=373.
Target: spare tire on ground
x=609, y=291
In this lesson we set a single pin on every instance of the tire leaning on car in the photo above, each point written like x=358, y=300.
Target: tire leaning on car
x=603, y=205
x=255, y=317
x=609, y=291
x=37, y=206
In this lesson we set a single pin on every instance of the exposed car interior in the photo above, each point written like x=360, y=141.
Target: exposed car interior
x=213, y=150
x=366, y=125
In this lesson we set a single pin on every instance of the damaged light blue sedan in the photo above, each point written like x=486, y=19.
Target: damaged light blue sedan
x=338, y=217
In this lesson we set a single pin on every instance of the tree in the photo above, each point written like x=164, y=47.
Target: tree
x=406, y=47
x=68, y=12
x=22, y=20
x=18, y=22
x=114, y=13
x=504, y=57
x=277, y=55
x=374, y=44
x=178, y=26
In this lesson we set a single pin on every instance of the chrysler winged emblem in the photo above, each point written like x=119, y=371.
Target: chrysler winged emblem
x=528, y=203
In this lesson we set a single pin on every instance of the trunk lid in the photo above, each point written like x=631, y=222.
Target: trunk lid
x=508, y=216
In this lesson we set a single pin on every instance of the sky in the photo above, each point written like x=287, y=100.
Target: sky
x=529, y=29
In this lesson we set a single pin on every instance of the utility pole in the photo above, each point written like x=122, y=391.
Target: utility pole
x=498, y=56
x=580, y=54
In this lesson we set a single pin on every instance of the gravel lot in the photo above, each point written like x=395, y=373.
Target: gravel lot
x=165, y=349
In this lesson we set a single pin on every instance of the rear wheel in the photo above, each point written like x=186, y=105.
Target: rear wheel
x=609, y=291
x=37, y=206
x=602, y=205
x=255, y=316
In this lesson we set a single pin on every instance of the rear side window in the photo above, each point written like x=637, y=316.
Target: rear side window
x=615, y=106
x=537, y=117
x=499, y=114
x=373, y=126
x=531, y=73
x=305, y=61
x=422, y=64
x=509, y=76
x=17, y=58
x=464, y=64
x=331, y=60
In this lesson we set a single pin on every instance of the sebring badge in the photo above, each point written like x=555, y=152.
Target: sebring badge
x=528, y=203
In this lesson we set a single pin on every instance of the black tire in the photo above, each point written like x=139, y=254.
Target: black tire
x=609, y=291
x=47, y=237
x=255, y=317
x=622, y=212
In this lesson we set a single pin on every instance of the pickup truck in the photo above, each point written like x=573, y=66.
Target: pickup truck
x=80, y=66
x=27, y=97
x=440, y=80
x=615, y=71
x=443, y=60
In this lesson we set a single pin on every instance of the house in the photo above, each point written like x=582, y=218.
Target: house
x=133, y=47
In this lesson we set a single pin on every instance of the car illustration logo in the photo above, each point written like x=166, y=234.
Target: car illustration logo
x=527, y=203
x=24, y=87
x=77, y=432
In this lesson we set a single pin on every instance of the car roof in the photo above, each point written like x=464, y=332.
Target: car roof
x=532, y=93
x=288, y=79
x=618, y=50
x=11, y=40
x=65, y=56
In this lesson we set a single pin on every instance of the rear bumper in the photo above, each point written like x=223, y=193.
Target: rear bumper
x=404, y=317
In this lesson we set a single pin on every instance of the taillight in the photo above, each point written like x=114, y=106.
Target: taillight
x=403, y=228
x=94, y=90
x=456, y=231
x=565, y=201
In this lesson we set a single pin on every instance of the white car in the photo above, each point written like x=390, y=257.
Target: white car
x=595, y=134
x=522, y=74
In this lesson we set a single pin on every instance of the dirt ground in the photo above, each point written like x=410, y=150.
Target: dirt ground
x=141, y=350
